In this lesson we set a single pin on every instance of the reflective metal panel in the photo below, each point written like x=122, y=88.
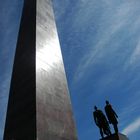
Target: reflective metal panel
x=54, y=113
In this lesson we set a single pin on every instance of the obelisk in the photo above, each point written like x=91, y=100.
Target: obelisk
x=54, y=113
x=39, y=106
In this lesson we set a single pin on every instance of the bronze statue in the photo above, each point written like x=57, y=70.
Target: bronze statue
x=101, y=122
x=111, y=115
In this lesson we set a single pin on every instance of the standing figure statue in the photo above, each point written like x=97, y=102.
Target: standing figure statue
x=101, y=122
x=112, y=116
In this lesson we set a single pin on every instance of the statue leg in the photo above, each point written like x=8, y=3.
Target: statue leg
x=101, y=132
x=115, y=127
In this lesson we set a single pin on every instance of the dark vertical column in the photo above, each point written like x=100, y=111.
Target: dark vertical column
x=21, y=113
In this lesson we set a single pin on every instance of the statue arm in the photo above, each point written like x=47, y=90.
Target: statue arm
x=115, y=113
x=94, y=116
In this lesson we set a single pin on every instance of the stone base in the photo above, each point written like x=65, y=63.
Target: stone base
x=116, y=137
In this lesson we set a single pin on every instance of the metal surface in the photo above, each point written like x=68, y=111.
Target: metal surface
x=54, y=113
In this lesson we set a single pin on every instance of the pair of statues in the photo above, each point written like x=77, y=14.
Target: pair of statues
x=101, y=121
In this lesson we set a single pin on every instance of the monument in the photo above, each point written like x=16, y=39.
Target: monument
x=117, y=136
x=39, y=106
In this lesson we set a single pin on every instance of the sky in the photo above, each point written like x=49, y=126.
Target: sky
x=100, y=43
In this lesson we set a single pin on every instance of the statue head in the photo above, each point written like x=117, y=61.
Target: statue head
x=95, y=107
x=107, y=102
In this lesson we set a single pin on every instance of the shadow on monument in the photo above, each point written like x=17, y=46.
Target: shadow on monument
x=102, y=121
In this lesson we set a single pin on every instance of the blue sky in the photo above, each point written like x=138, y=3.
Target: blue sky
x=100, y=42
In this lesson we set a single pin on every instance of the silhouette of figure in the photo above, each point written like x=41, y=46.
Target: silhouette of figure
x=101, y=122
x=111, y=115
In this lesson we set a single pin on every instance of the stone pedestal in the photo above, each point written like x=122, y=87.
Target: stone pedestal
x=116, y=137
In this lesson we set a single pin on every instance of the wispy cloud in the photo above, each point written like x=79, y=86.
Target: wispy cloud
x=129, y=112
x=132, y=127
x=100, y=41
x=109, y=27
x=135, y=57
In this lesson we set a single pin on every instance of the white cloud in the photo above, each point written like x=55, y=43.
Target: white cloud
x=136, y=54
x=132, y=127
x=110, y=25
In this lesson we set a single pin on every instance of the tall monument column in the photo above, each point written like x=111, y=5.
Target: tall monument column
x=39, y=106
x=54, y=113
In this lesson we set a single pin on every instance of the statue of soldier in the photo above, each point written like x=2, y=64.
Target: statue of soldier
x=112, y=116
x=101, y=122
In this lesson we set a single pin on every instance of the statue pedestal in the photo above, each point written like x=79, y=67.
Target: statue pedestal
x=116, y=137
